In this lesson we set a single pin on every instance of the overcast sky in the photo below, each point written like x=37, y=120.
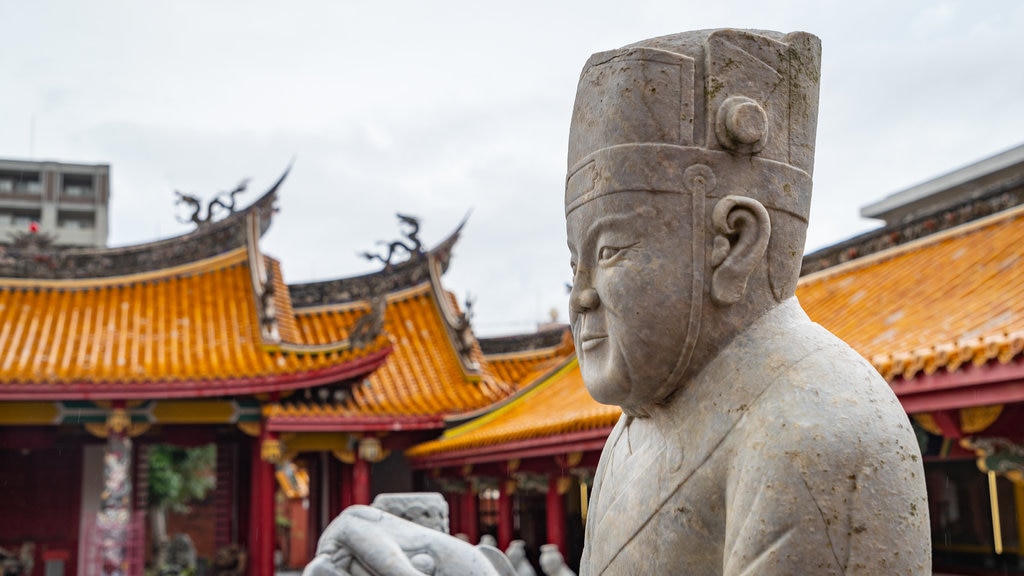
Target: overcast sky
x=438, y=108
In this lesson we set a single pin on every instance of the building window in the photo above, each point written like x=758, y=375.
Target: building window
x=19, y=218
x=77, y=186
x=76, y=221
x=21, y=183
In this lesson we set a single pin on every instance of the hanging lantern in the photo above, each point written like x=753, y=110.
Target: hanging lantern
x=370, y=449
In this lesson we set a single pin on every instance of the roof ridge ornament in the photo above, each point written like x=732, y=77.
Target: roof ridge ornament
x=223, y=201
x=414, y=250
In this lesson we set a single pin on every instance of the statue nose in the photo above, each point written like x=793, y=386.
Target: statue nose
x=586, y=299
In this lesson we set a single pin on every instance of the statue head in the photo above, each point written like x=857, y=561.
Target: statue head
x=686, y=200
x=516, y=551
x=428, y=509
x=551, y=560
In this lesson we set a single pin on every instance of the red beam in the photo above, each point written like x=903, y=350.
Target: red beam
x=967, y=376
x=991, y=383
x=949, y=399
x=584, y=441
x=146, y=390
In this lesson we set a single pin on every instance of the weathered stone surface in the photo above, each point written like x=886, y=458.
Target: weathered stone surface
x=752, y=440
x=369, y=541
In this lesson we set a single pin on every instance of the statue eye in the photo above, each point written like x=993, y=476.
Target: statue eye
x=608, y=252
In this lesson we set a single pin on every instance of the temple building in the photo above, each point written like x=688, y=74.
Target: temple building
x=934, y=299
x=310, y=393
x=320, y=395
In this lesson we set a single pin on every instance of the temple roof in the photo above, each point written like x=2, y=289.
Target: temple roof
x=423, y=381
x=519, y=360
x=555, y=406
x=946, y=301
x=229, y=324
x=410, y=273
x=206, y=241
x=183, y=331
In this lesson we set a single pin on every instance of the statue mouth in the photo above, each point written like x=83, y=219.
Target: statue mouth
x=590, y=341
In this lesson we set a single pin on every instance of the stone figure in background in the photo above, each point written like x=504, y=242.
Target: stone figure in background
x=369, y=541
x=428, y=509
x=516, y=553
x=489, y=540
x=552, y=563
x=752, y=441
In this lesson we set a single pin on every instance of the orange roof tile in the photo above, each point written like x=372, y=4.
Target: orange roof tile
x=287, y=326
x=421, y=379
x=164, y=333
x=948, y=300
x=519, y=369
x=557, y=405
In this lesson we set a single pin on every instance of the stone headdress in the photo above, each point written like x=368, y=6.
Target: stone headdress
x=710, y=113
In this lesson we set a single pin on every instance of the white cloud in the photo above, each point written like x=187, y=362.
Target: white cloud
x=436, y=108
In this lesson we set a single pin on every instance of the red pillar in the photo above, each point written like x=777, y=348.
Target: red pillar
x=261, y=511
x=360, y=481
x=505, y=513
x=454, y=501
x=347, y=496
x=556, y=513
x=470, y=517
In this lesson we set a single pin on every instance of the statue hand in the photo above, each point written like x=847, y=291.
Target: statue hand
x=365, y=541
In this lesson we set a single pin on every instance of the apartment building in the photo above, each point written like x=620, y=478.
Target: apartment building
x=66, y=200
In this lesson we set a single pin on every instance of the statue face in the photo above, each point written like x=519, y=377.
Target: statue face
x=630, y=307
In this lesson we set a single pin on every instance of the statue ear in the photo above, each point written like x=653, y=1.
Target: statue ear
x=742, y=228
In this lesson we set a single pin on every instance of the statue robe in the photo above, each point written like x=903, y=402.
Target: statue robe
x=788, y=454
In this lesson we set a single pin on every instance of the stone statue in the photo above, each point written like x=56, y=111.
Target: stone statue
x=428, y=509
x=552, y=563
x=369, y=541
x=516, y=553
x=752, y=441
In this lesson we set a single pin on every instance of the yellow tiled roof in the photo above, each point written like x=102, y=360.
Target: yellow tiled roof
x=287, y=326
x=421, y=377
x=163, y=333
x=558, y=405
x=947, y=300
x=519, y=369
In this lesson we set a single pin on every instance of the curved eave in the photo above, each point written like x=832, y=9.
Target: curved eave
x=348, y=423
x=548, y=339
x=994, y=382
x=456, y=421
x=204, y=242
x=142, y=390
x=553, y=445
x=401, y=276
